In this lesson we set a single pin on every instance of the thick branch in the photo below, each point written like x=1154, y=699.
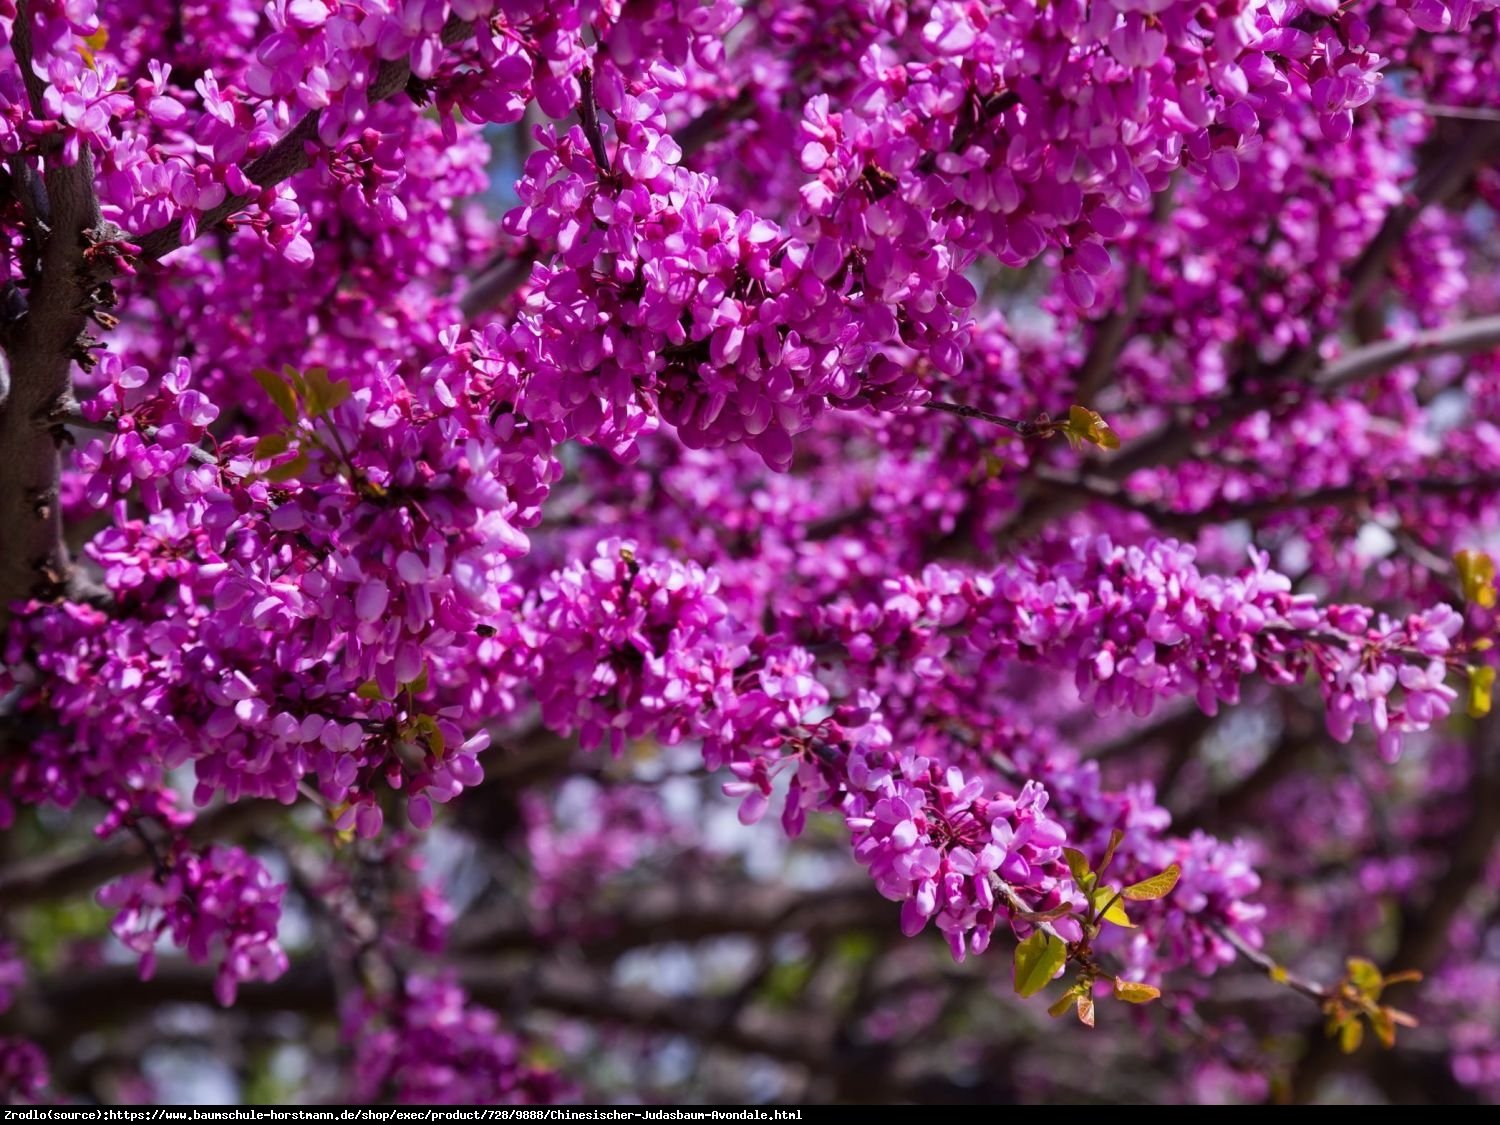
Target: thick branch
x=1065, y=493
x=1113, y=332
x=40, y=351
x=673, y=913
x=1104, y=489
x=50, y=878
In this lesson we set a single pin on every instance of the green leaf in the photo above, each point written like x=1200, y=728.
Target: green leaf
x=294, y=379
x=1105, y=897
x=1064, y=1003
x=419, y=685
x=427, y=726
x=1134, y=992
x=1037, y=961
x=272, y=445
x=288, y=470
x=1158, y=886
x=323, y=395
x=369, y=690
x=281, y=393
x=1078, y=864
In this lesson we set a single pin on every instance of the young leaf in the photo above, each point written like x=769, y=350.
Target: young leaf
x=294, y=380
x=1063, y=1003
x=1109, y=853
x=1085, y=425
x=1115, y=912
x=1365, y=976
x=272, y=445
x=1351, y=1035
x=323, y=395
x=1384, y=1027
x=280, y=392
x=1134, y=992
x=369, y=690
x=1078, y=864
x=1158, y=886
x=419, y=685
x=1037, y=961
x=428, y=728
x=1476, y=574
x=1481, y=690
x=289, y=470
x=1086, y=1009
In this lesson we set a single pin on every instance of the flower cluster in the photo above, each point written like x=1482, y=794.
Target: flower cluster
x=216, y=903
x=681, y=373
x=432, y=1046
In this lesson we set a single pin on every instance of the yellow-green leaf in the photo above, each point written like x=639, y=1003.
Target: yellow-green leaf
x=1063, y=1004
x=1476, y=573
x=1086, y=425
x=1481, y=690
x=1365, y=976
x=92, y=44
x=1158, y=886
x=1351, y=1035
x=1109, y=853
x=369, y=690
x=1135, y=992
x=1384, y=1027
x=1037, y=961
x=1078, y=864
x=1115, y=912
x=281, y=394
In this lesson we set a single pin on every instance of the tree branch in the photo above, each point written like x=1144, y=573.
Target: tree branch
x=1293, y=376
x=41, y=349
x=294, y=152
x=50, y=878
x=1103, y=488
x=674, y=913
x=1113, y=332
